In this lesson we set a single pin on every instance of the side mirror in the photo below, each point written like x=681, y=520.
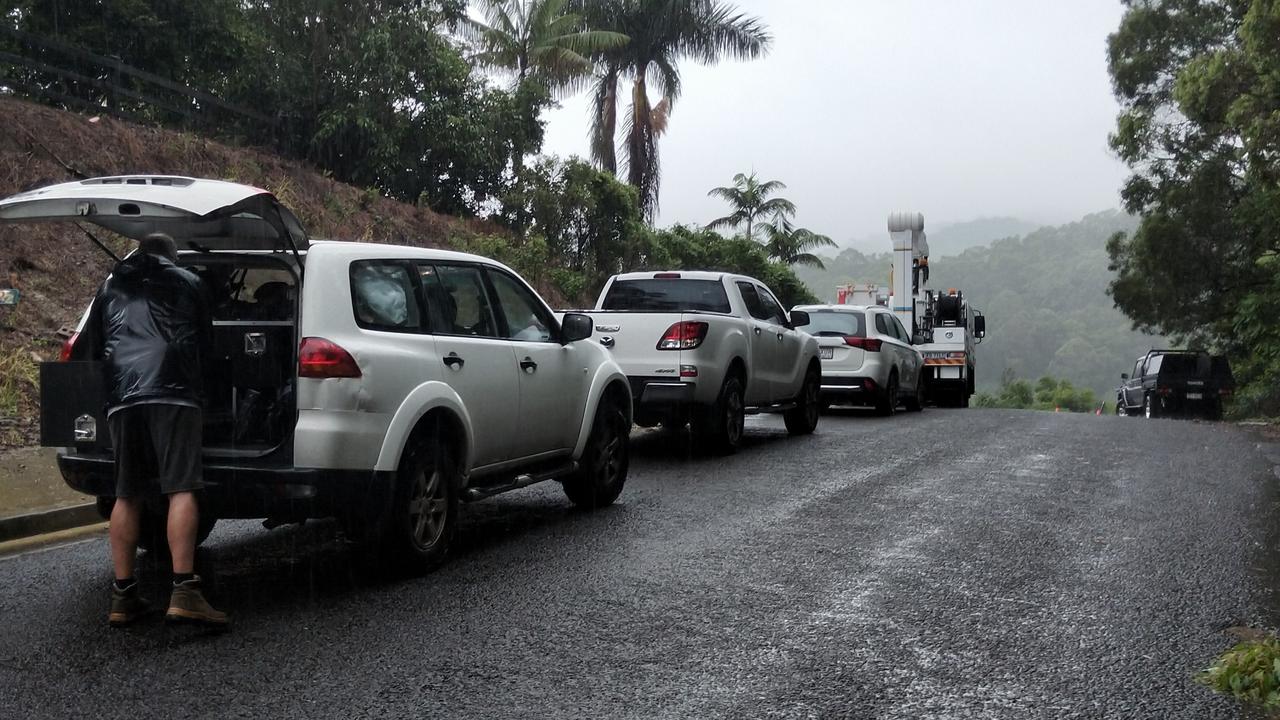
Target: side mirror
x=980, y=326
x=799, y=318
x=1124, y=376
x=918, y=339
x=575, y=327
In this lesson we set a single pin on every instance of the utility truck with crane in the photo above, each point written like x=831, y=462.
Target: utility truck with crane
x=943, y=326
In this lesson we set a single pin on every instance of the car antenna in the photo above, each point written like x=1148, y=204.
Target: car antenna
x=98, y=242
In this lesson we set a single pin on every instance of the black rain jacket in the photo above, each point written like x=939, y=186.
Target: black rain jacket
x=151, y=326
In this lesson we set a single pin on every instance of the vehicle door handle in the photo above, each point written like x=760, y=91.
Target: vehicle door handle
x=453, y=361
x=779, y=336
x=757, y=331
x=528, y=365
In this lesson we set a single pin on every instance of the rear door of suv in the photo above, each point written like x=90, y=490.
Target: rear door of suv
x=479, y=363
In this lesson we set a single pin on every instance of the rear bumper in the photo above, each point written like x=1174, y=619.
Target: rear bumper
x=249, y=489
x=848, y=390
x=659, y=392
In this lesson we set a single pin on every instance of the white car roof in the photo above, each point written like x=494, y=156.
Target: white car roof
x=684, y=275
x=837, y=308
x=376, y=251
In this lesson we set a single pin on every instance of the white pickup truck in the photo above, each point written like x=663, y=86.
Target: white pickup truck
x=709, y=347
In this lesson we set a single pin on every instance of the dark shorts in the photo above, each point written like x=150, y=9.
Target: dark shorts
x=157, y=449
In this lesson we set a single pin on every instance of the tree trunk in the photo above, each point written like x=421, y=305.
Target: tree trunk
x=603, y=143
x=642, y=160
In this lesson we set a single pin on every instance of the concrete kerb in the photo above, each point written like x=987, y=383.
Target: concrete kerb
x=47, y=521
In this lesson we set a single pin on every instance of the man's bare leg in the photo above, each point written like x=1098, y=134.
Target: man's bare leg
x=126, y=520
x=187, y=604
x=184, y=517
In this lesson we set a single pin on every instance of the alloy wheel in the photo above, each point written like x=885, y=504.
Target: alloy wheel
x=428, y=507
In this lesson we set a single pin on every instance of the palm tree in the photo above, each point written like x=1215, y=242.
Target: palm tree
x=539, y=38
x=663, y=33
x=792, y=245
x=750, y=201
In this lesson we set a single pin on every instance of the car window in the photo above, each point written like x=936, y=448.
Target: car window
x=463, y=300
x=667, y=295
x=383, y=296
x=526, y=319
x=881, y=326
x=751, y=299
x=1153, y=365
x=1137, y=368
x=832, y=323
x=772, y=308
x=898, y=330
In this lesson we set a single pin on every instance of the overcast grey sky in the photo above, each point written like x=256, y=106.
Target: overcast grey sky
x=956, y=108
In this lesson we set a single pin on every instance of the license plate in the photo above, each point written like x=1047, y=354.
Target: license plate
x=826, y=353
x=1194, y=396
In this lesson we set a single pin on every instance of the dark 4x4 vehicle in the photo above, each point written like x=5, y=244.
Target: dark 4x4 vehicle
x=1176, y=382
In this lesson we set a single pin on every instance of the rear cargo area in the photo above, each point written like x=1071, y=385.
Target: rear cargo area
x=249, y=380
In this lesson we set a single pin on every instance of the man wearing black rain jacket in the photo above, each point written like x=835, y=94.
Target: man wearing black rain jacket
x=151, y=327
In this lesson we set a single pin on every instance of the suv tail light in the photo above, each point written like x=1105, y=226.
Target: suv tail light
x=320, y=358
x=868, y=344
x=68, y=346
x=685, y=335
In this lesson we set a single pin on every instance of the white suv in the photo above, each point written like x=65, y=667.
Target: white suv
x=867, y=357
x=380, y=384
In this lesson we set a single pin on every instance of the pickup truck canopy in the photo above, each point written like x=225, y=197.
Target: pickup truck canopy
x=199, y=214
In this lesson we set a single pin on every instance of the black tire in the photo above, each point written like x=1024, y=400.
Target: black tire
x=1121, y=411
x=1149, y=408
x=803, y=418
x=887, y=403
x=720, y=427
x=153, y=534
x=419, y=530
x=602, y=470
x=915, y=403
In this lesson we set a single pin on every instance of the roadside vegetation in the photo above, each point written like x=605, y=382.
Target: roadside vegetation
x=1199, y=86
x=1250, y=672
x=1047, y=393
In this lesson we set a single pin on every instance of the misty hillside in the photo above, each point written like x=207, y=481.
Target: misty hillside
x=1044, y=296
x=946, y=240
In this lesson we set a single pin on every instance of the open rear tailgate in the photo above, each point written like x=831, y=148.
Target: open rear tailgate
x=197, y=213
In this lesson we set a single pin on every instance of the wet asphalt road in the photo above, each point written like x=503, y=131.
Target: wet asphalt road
x=984, y=564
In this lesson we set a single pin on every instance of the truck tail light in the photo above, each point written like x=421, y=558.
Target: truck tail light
x=1226, y=392
x=685, y=335
x=320, y=358
x=868, y=344
x=1164, y=391
x=68, y=346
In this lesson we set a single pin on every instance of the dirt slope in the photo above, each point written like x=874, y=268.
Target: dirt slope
x=57, y=269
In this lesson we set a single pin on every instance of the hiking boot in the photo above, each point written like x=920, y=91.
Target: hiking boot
x=187, y=604
x=126, y=606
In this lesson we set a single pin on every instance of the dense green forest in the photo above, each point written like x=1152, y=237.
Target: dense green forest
x=1045, y=298
x=1199, y=88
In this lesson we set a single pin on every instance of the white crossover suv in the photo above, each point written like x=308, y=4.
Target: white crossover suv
x=380, y=384
x=867, y=357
